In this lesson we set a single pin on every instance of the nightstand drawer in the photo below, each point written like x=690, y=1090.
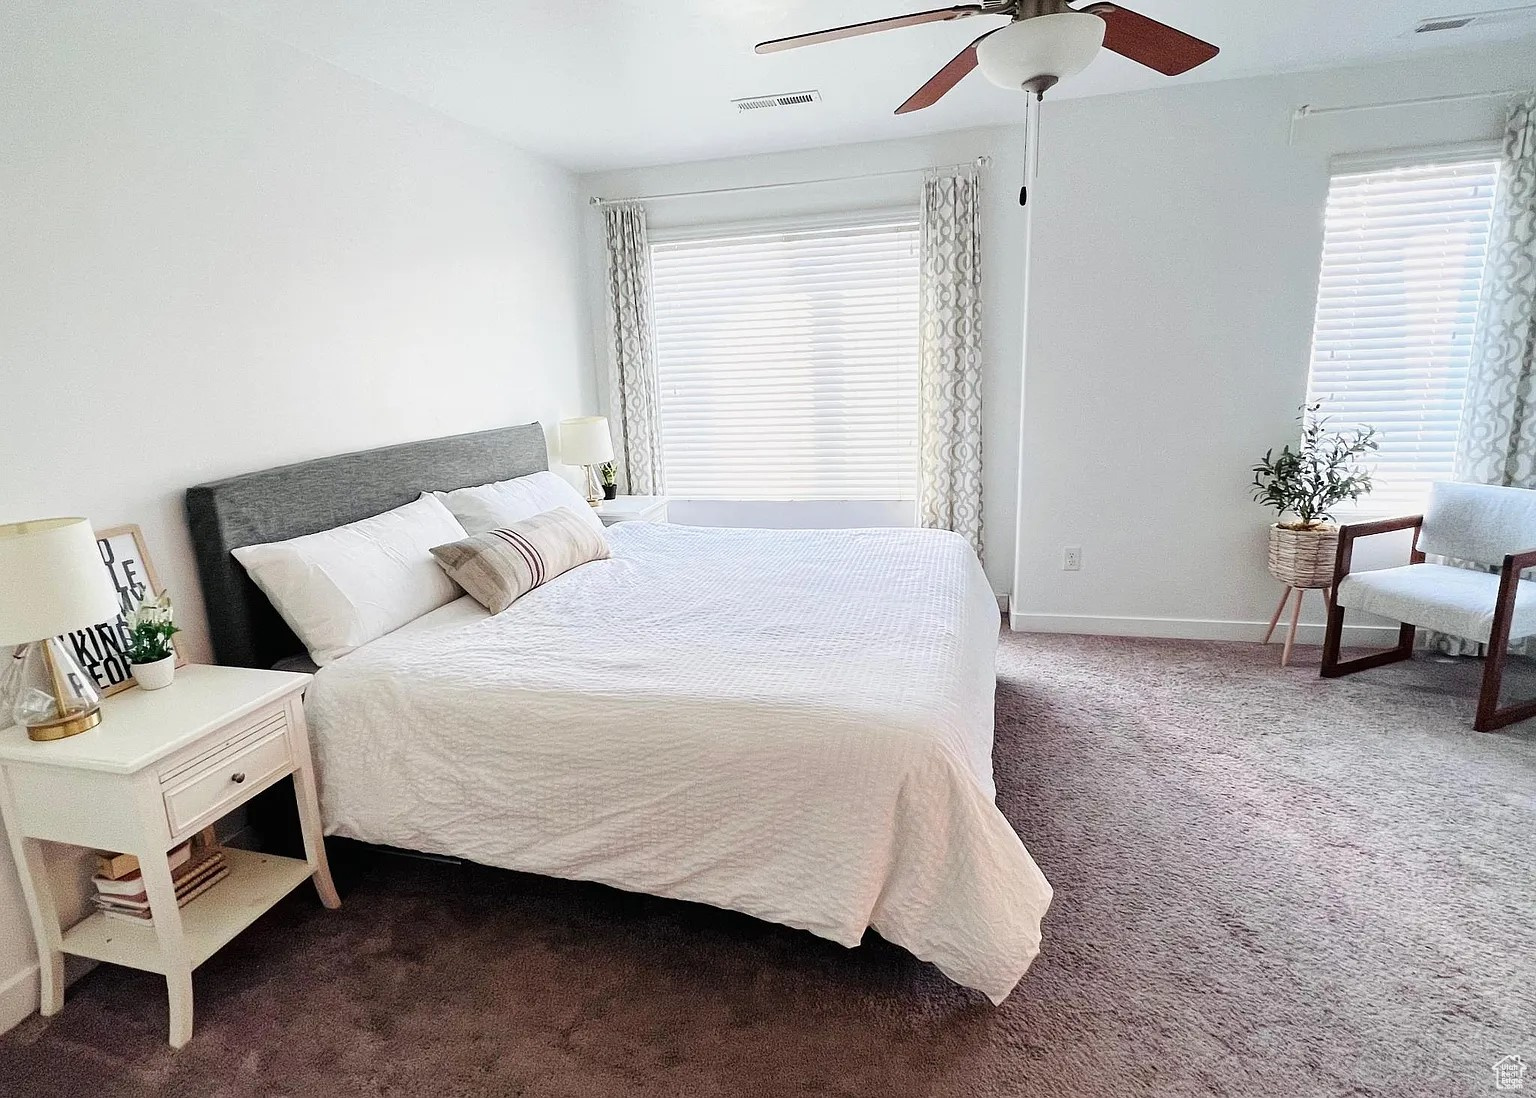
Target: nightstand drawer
x=226, y=780
x=212, y=752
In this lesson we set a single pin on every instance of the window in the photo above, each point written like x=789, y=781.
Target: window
x=787, y=361
x=1403, y=250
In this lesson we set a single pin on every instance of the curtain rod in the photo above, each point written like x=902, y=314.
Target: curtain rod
x=979, y=162
x=1307, y=110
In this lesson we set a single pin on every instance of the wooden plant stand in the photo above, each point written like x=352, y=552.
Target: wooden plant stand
x=1290, y=636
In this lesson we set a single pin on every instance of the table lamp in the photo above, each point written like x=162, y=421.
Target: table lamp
x=52, y=581
x=585, y=441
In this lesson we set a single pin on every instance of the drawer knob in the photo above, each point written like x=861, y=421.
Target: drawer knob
x=237, y=777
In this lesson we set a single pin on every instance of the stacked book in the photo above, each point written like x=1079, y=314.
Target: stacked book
x=196, y=866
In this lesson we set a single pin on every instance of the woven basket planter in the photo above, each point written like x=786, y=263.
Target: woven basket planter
x=1303, y=558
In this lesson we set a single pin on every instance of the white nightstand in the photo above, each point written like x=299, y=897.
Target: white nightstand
x=633, y=509
x=160, y=767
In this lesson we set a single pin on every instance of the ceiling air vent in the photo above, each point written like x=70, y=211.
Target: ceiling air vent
x=1474, y=19
x=1455, y=23
x=784, y=99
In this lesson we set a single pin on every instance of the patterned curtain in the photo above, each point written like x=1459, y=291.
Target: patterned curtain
x=1498, y=426
x=633, y=387
x=1497, y=442
x=949, y=356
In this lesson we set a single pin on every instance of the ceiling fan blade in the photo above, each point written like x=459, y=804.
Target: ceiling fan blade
x=938, y=15
x=940, y=83
x=1150, y=43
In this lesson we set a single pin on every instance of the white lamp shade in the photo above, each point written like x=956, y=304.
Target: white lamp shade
x=1059, y=45
x=52, y=580
x=585, y=441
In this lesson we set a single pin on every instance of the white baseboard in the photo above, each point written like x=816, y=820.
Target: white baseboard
x=1192, y=629
x=19, y=993
x=18, y=998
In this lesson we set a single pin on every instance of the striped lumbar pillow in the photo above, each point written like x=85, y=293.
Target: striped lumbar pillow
x=501, y=566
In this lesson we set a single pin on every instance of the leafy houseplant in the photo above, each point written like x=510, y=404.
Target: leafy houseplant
x=610, y=478
x=149, y=651
x=1323, y=471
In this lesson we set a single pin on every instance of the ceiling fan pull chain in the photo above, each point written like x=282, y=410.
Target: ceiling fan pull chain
x=1031, y=142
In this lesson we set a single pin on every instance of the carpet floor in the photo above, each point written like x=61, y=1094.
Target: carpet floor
x=1266, y=885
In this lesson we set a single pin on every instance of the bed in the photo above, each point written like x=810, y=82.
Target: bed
x=792, y=724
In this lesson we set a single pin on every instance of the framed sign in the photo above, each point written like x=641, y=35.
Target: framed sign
x=100, y=649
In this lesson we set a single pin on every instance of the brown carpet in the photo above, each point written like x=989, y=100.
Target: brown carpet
x=1265, y=885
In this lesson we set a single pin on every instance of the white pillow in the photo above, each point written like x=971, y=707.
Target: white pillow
x=341, y=588
x=489, y=507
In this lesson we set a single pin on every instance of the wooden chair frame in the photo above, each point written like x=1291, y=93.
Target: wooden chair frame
x=1490, y=716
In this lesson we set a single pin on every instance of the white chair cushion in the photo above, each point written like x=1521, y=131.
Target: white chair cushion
x=1457, y=601
x=1478, y=522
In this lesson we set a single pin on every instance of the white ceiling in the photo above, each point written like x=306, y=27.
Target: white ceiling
x=595, y=84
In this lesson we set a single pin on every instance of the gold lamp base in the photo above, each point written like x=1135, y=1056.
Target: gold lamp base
x=58, y=699
x=63, y=727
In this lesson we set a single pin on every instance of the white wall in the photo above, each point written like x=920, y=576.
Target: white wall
x=1177, y=240
x=221, y=255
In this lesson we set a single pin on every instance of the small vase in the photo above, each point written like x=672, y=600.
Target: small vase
x=610, y=491
x=156, y=675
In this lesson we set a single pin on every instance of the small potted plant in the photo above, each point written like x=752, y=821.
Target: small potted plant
x=610, y=477
x=150, y=654
x=1307, y=483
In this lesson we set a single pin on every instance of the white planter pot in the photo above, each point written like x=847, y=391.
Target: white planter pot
x=154, y=676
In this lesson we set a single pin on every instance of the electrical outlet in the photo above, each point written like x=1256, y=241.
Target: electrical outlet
x=1072, y=558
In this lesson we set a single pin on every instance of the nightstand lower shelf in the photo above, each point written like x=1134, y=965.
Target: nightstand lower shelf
x=255, y=883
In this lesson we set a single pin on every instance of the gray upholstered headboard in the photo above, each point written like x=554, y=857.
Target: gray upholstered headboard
x=294, y=500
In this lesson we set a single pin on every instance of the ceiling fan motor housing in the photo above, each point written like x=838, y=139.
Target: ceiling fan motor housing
x=1035, y=53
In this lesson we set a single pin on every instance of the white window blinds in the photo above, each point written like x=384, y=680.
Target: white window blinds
x=787, y=361
x=1403, y=252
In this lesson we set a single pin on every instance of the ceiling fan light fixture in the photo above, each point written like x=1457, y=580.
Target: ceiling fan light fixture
x=1037, y=52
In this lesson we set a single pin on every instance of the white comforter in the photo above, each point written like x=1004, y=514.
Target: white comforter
x=792, y=724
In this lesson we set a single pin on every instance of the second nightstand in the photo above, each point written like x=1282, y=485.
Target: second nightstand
x=633, y=509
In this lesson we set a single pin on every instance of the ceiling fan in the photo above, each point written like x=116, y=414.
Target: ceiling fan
x=1045, y=42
